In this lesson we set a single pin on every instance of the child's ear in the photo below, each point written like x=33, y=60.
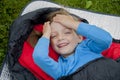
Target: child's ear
x=80, y=38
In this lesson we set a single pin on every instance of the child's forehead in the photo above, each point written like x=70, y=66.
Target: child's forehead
x=58, y=26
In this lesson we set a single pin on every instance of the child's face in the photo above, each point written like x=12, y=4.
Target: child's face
x=63, y=39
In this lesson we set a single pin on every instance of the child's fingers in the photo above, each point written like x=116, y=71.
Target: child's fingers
x=58, y=18
x=66, y=20
x=62, y=18
x=46, y=29
x=46, y=24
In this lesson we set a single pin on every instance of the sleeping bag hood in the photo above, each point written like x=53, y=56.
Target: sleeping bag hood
x=19, y=32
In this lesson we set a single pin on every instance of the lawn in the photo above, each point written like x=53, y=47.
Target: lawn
x=100, y=6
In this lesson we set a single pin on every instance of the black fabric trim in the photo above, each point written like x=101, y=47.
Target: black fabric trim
x=116, y=40
x=118, y=60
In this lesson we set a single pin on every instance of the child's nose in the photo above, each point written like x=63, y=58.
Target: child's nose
x=60, y=37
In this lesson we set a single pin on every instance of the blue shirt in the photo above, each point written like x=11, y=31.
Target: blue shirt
x=89, y=49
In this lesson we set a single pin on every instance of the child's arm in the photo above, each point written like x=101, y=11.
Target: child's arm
x=99, y=39
x=40, y=54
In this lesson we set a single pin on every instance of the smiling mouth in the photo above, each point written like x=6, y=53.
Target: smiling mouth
x=62, y=45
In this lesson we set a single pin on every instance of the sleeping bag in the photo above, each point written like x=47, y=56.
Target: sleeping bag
x=20, y=50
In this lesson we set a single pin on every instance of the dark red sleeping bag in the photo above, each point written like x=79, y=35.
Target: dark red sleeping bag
x=26, y=59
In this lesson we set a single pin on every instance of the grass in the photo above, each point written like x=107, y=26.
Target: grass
x=111, y=7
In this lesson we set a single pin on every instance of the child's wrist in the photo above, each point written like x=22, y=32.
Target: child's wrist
x=46, y=36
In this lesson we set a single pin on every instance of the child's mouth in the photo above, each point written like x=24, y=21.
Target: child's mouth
x=61, y=45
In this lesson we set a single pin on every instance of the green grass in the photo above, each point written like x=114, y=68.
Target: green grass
x=10, y=9
x=101, y=6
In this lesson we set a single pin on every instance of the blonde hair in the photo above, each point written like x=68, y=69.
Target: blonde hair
x=53, y=14
x=60, y=11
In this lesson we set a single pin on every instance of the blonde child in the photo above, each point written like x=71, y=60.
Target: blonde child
x=65, y=34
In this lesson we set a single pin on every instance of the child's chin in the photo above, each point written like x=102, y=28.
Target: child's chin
x=64, y=52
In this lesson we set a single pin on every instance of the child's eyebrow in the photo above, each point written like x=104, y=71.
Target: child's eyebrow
x=53, y=33
x=69, y=29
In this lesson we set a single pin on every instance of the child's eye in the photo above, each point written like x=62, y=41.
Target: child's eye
x=68, y=32
x=53, y=36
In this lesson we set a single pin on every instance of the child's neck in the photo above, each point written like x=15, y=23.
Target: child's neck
x=67, y=55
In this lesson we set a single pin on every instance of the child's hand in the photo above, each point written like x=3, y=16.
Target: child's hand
x=67, y=21
x=46, y=30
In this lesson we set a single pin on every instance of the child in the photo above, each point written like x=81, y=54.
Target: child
x=65, y=34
